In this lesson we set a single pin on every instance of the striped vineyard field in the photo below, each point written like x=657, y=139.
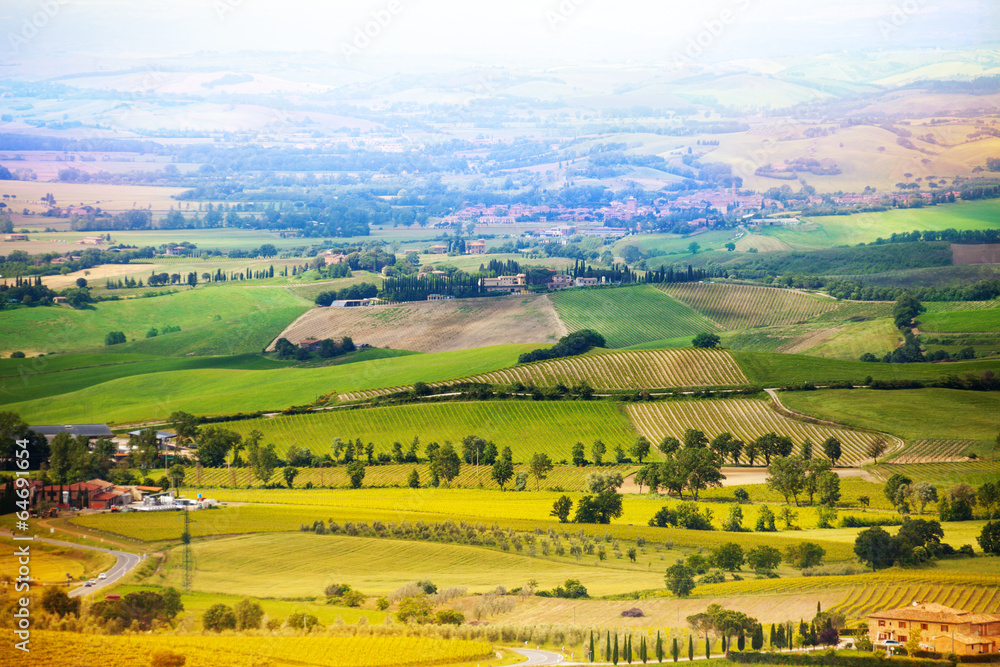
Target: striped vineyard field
x=563, y=477
x=640, y=369
x=526, y=427
x=71, y=649
x=975, y=473
x=864, y=593
x=743, y=306
x=935, y=451
x=863, y=600
x=628, y=316
x=746, y=419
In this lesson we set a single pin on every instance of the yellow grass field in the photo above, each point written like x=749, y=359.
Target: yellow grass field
x=70, y=649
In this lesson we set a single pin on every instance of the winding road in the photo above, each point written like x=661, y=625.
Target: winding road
x=125, y=563
x=536, y=657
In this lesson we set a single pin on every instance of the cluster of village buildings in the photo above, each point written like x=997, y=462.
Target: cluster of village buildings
x=99, y=494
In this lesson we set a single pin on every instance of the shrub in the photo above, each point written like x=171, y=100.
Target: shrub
x=634, y=612
x=353, y=599
x=449, y=617
x=219, y=617
x=167, y=659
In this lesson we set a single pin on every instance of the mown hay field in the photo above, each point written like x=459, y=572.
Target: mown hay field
x=436, y=326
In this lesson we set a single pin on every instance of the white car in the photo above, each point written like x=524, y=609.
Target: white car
x=102, y=575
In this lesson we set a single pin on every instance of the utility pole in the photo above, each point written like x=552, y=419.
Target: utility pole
x=186, y=540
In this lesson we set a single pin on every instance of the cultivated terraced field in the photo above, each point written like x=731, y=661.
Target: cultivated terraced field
x=935, y=451
x=742, y=306
x=747, y=419
x=436, y=326
x=628, y=316
x=526, y=427
x=975, y=473
x=649, y=369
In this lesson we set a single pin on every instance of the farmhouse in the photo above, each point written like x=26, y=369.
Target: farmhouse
x=17, y=237
x=476, y=247
x=560, y=281
x=310, y=344
x=355, y=303
x=439, y=297
x=586, y=282
x=330, y=258
x=92, y=240
x=941, y=629
x=164, y=439
x=505, y=283
x=438, y=249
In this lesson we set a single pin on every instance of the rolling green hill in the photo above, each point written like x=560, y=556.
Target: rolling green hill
x=628, y=315
x=213, y=390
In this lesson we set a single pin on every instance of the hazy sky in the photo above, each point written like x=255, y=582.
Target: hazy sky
x=542, y=31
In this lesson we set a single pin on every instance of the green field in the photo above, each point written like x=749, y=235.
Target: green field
x=80, y=374
x=213, y=391
x=987, y=320
x=835, y=230
x=628, y=315
x=525, y=427
x=909, y=414
x=218, y=316
x=775, y=370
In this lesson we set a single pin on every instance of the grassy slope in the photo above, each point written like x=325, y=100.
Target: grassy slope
x=628, y=315
x=959, y=321
x=376, y=566
x=834, y=230
x=775, y=370
x=30, y=386
x=59, y=329
x=211, y=391
x=917, y=413
x=526, y=427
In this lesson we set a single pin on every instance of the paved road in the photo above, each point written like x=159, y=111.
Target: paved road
x=124, y=564
x=536, y=657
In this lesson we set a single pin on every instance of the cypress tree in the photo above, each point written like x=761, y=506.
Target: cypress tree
x=675, y=651
x=607, y=647
x=642, y=650
x=614, y=651
x=741, y=643
x=757, y=641
x=690, y=647
x=591, y=654
x=708, y=647
x=628, y=649
x=773, y=638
